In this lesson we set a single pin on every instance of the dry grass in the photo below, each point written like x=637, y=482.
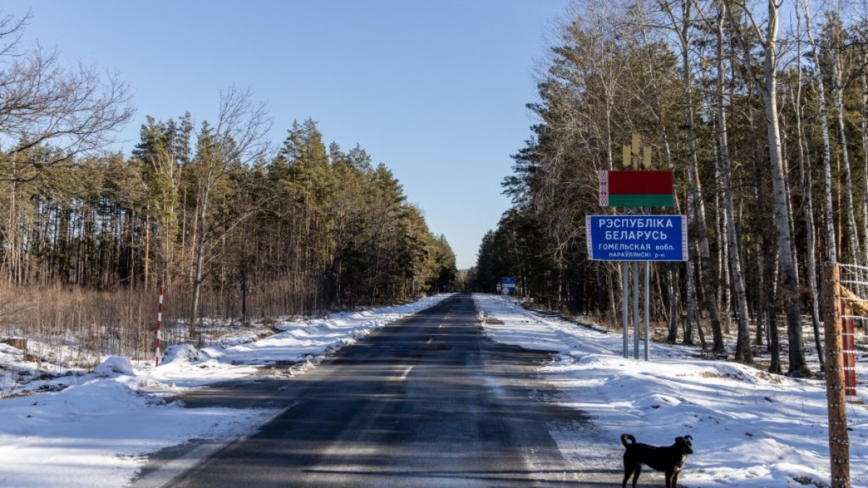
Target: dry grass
x=93, y=324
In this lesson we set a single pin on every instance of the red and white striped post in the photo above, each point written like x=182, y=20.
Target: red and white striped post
x=159, y=328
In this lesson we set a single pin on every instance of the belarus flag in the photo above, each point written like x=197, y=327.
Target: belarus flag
x=636, y=189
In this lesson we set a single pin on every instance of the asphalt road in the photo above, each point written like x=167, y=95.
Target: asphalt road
x=426, y=401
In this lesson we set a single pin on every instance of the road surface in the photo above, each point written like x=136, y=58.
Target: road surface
x=426, y=401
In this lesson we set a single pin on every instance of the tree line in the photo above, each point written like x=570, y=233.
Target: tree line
x=761, y=111
x=337, y=228
x=229, y=224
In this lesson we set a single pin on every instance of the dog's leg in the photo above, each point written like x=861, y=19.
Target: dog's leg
x=636, y=472
x=631, y=469
x=672, y=479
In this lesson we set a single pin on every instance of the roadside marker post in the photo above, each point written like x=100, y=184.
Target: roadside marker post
x=159, y=328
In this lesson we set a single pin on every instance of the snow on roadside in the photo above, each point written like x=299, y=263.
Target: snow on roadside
x=749, y=428
x=94, y=429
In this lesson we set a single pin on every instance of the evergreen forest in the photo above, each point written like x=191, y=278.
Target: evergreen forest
x=760, y=109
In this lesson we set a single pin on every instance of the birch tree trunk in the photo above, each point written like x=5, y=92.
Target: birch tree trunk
x=199, y=250
x=864, y=123
x=838, y=97
x=827, y=153
x=672, y=274
x=743, y=350
x=790, y=285
x=807, y=192
x=695, y=204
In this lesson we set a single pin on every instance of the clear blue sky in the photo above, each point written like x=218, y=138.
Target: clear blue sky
x=435, y=89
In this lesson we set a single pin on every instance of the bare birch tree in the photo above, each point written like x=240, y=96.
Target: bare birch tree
x=836, y=50
x=766, y=82
x=827, y=151
x=238, y=139
x=743, y=350
x=695, y=204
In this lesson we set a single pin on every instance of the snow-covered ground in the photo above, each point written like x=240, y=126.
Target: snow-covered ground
x=749, y=429
x=96, y=429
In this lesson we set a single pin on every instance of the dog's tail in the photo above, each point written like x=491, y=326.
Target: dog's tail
x=626, y=437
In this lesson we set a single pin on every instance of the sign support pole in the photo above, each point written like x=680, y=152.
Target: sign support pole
x=647, y=307
x=636, y=310
x=625, y=285
x=634, y=160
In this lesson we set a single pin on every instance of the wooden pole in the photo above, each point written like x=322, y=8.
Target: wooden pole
x=839, y=440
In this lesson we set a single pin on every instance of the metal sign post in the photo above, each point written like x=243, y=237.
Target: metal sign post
x=625, y=280
x=636, y=310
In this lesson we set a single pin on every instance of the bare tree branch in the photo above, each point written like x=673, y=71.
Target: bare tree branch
x=75, y=109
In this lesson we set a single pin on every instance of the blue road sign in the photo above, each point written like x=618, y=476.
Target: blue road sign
x=508, y=282
x=637, y=237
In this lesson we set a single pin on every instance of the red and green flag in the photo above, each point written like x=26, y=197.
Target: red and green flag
x=636, y=189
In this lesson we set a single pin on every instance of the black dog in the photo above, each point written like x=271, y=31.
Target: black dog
x=668, y=459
